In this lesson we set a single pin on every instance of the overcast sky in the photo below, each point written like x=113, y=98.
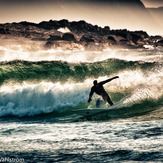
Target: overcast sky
x=147, y=3
x=96, y=13
x=39, y=10
x=153, y=3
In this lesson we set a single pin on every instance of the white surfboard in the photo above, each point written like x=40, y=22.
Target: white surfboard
x=87, y=112
x=93, y=110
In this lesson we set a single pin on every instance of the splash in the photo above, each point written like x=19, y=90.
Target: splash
x=34, y=51
x=29, y=99
x=143, y=86
x=19, y=52
x=64, y=30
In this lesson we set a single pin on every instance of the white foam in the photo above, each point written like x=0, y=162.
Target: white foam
x=143, y=85
x=44, y=97
x=63, y=30
x=139, y=85
x=30, y=51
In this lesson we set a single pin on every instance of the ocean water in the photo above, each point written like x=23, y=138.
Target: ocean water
x=43, y=92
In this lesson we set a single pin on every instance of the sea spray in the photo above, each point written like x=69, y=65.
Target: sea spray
x=44, y=97
x=28, y=52
x=28, y=99
x=34, y=51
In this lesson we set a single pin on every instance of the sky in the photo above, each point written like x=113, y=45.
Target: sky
x=153, y=3
x=93, y=11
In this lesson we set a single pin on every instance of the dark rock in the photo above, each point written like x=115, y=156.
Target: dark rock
x=4, y=31
x=122, y=33
x=112, y=39
x=136, y=37
x=49, y=25
x=86, y=39
x=54, y=38
x=155, y=39
x=160, y=43
x=90, y=36
x=82, y=25
x=25, y=23
x=53, y=24
x=142, y=33
x=69, y=37
x=104, y=31
x=63, y=23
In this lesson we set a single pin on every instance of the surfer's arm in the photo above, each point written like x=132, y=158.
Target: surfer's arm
x=91, y=94
x=108, y=80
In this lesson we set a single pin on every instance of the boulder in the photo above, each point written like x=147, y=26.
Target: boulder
x=155, y=39
x=63, y=23
x=112, y=39
x=160, y=43
x=69, y=37
x=136, y=37
x=4, y=31
x=82, y=26
x=122, y=33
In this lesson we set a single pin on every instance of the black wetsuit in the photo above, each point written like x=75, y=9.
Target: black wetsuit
x=99, y=89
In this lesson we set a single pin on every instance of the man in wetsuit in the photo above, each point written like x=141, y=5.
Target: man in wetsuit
x=99, y=89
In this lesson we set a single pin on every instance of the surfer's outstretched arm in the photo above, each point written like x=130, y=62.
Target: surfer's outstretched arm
x=108, y=80
x=90, y=95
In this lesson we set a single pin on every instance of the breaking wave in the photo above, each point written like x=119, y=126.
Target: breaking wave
x=139, y=86
x=36, y=81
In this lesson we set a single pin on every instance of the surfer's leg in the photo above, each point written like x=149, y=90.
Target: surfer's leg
x=108, y=99
x=98, y=103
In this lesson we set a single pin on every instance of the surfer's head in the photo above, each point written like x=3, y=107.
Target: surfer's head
x=95, y=82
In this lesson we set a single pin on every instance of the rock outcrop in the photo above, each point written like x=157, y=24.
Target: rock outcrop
x=82, y=34
x=69, y=37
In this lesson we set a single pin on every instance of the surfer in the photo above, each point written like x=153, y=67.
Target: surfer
x=99, y=89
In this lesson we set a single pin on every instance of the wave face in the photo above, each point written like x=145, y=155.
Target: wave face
x=45, y=97
x=34, y=88
x=63, y=71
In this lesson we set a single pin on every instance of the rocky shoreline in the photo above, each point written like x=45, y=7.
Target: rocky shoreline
x=77, y=35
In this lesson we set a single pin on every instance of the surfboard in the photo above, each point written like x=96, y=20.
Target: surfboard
x=88, y=112
x=91, y=111
x=98, y=106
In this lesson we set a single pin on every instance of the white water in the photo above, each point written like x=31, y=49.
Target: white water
x=83, y=138
x=34, y=51
x=30, y=99
x=50, y=142
x=44, y=97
